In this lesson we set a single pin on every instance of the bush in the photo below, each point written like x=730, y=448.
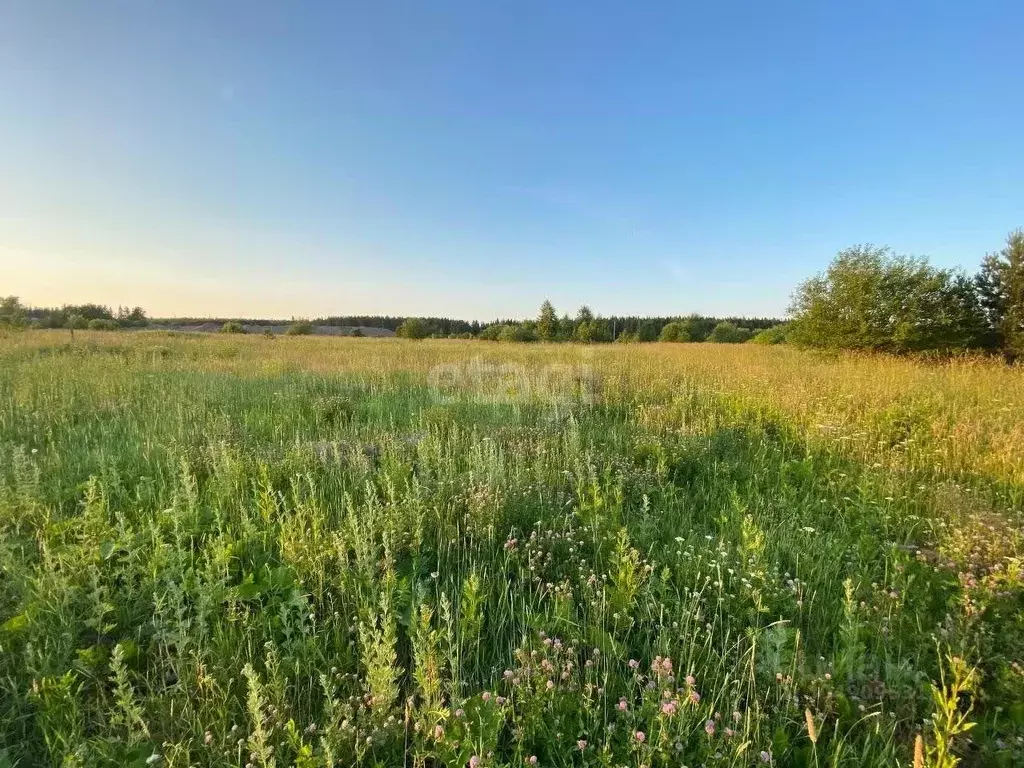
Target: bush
x=413, y=328
x=870, y=299
x=774, y=335
x=357, y=332
x=102, y=324
x=300, y=328
x=517, y=333
x=674, y=332
x=491, y=332
x=232, y=326
x=728, y=333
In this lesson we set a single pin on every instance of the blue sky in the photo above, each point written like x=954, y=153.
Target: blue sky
x=254, y=158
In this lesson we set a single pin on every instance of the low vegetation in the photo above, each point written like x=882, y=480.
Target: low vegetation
x=220, y=551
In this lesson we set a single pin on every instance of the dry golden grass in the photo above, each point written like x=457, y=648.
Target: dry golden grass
x=963, y=416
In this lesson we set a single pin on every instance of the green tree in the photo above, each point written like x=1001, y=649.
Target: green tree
x=102, y=324
x=600, y=330
x=674, y=331
x=583, y=328
x=728, y=333
x=74, y=322
x=1000, y=287
x=565, y=329
x=12, y=312
x=547, y=322
x=357, y=332
x=698, y=328
x=871, y=299
x=413, y=328
x=648, y=331
x=232, y=326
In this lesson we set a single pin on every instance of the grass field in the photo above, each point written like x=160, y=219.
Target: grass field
x=302, y=551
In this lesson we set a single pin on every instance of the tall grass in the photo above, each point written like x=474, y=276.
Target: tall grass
x=317, y=552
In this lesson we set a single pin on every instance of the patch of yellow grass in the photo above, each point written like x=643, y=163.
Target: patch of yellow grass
x=960, y=416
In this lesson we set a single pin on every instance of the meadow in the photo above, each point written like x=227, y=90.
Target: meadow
x=248, y=551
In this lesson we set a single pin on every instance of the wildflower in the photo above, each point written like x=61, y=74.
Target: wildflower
x=736, y=717
x=694, y=697
x=623, y=705
x=207, y=738
x=474, y=762
x=582, y=744
x=153, y=759
x=550, y=684
x=691, y=680
x=766, y=757
x=640, y=736
x=634, y=664
x=486, y=695
x=438, y=733
x=459, y=712
x=668, y=708
x=709, y=727
x=532, y=760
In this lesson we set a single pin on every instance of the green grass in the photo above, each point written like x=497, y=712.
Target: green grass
x=231, y=552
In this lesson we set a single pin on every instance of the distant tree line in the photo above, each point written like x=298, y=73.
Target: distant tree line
x=868, y=299
x=97, y=317
x=434, y=326
x=587, y=327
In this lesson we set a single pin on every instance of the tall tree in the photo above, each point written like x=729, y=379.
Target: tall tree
x=12, y=313
x=547, y=322
x=583, y=330
x=1000, y=285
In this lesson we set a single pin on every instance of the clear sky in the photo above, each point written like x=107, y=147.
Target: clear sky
x=270, y=158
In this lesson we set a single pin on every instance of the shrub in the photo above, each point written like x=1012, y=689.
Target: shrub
x=413, y=328
x=491, y=332
x=674, y=331
x=300, y=328
x=774, y=335
x=102, y=324
x=357, y=332
x=232, y=326
x=728, y=333
x=517, y=332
